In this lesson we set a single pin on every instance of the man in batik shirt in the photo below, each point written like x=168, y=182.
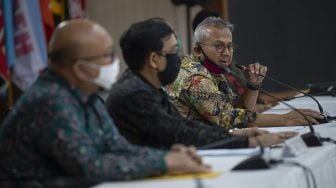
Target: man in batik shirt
x=204, y=92
x=60, y=128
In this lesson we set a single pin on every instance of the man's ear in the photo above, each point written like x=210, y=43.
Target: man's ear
x=79, y=71
x=153, y=60
x=197, y=52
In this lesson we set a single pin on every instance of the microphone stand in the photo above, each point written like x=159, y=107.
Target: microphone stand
x=254, y=162
x=324, y=120
x=311, y=139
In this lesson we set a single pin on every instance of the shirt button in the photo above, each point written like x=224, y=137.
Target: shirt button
x=82, y=150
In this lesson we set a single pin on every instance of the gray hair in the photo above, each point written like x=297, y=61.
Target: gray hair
x=201, y=30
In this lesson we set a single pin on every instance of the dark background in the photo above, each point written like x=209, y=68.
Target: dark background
x=295, y=38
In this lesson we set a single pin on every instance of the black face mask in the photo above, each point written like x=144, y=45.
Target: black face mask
x=172, y=69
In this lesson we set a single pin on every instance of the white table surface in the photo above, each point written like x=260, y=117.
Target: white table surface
x=321, y=160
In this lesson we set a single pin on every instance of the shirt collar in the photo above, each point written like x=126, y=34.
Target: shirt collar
x=73, y=89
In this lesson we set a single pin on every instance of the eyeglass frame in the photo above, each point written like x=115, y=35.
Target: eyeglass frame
x=231, y=46
x=165, y=52
x=111, y=54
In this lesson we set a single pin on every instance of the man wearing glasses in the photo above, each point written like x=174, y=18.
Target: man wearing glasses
x=141, y=108
x=204, y=92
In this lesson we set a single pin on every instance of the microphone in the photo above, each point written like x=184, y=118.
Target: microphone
x=254, y=162
x=293, y=97
x=324, y=120
x=311, y=139
x=220, y=144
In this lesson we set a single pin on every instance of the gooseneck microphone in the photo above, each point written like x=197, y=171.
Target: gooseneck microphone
x=311, y=139
x=254, y=162
x=324, y=120
x=220, y=144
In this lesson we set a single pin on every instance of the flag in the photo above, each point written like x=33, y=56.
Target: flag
x=4, y=72
x=76, y=9
x=30, y=47
x=47, y=18
x=9, y=31
x=58, y=8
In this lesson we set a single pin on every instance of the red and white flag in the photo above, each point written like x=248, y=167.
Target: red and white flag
x=30, y=45
x=4, y=72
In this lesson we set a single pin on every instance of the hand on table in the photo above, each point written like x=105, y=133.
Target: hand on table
x=182, y=159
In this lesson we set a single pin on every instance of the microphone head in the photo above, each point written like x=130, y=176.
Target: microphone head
x=224, y=68
x=241, y=67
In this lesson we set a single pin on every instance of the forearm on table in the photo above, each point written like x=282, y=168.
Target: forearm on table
x=268, y=120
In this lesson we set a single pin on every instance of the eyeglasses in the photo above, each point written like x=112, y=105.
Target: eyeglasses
x=220, y=46
x=110, y=55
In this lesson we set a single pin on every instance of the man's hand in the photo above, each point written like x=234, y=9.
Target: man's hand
x=286, y=134
x=294, y=118
x=183, y=159
x=254, y=131
x=254, y=70
x=271, y=138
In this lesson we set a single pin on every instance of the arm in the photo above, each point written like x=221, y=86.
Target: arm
x=146, y=115
x=291, y=118
x=204, y=96
x=249, y=99
x=252, y=72
x=65, y=139
x=266, y=120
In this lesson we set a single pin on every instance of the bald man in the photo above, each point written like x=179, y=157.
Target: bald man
x=59, y=128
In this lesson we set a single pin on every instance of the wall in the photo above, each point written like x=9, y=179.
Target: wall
x=118, y=15
x=296, y=39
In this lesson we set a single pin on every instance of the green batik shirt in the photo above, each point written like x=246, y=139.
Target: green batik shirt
x=54, y=130
x=204, y=96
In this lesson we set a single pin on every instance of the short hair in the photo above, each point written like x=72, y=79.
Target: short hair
x=200, y=16
x=141, y=39
x=64, y=55
x=201, y=30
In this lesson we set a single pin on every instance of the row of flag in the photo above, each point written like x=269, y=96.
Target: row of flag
x=25, y=29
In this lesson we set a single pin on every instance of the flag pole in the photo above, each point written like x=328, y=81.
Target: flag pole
x=10, y=95
x=225, y=10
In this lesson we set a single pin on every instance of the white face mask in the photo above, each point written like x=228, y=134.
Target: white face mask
x=107, y=75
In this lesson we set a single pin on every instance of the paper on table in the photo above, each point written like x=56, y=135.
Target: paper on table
x=286, y=128
x=187, y=176
x=228, y=152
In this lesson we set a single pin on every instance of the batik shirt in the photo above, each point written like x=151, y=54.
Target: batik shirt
x=55, y=130
x=145, y=116
x=204, y=96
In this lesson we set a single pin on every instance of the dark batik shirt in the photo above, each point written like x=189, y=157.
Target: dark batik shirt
x=55, y=130
x=145, y=116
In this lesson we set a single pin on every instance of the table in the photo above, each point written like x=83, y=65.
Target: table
x=321, y=160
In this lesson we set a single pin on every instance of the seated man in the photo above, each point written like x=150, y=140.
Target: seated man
x=202, y=90
x=141, y=108
x=59, y=128
x=261, y=104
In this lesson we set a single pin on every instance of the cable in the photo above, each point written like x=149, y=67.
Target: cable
x=307, y=171
x=328, y=139
x=331, y=117
x=294, y=97
x=198, y=181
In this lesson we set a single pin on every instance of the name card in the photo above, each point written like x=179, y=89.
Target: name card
x=294, y=147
